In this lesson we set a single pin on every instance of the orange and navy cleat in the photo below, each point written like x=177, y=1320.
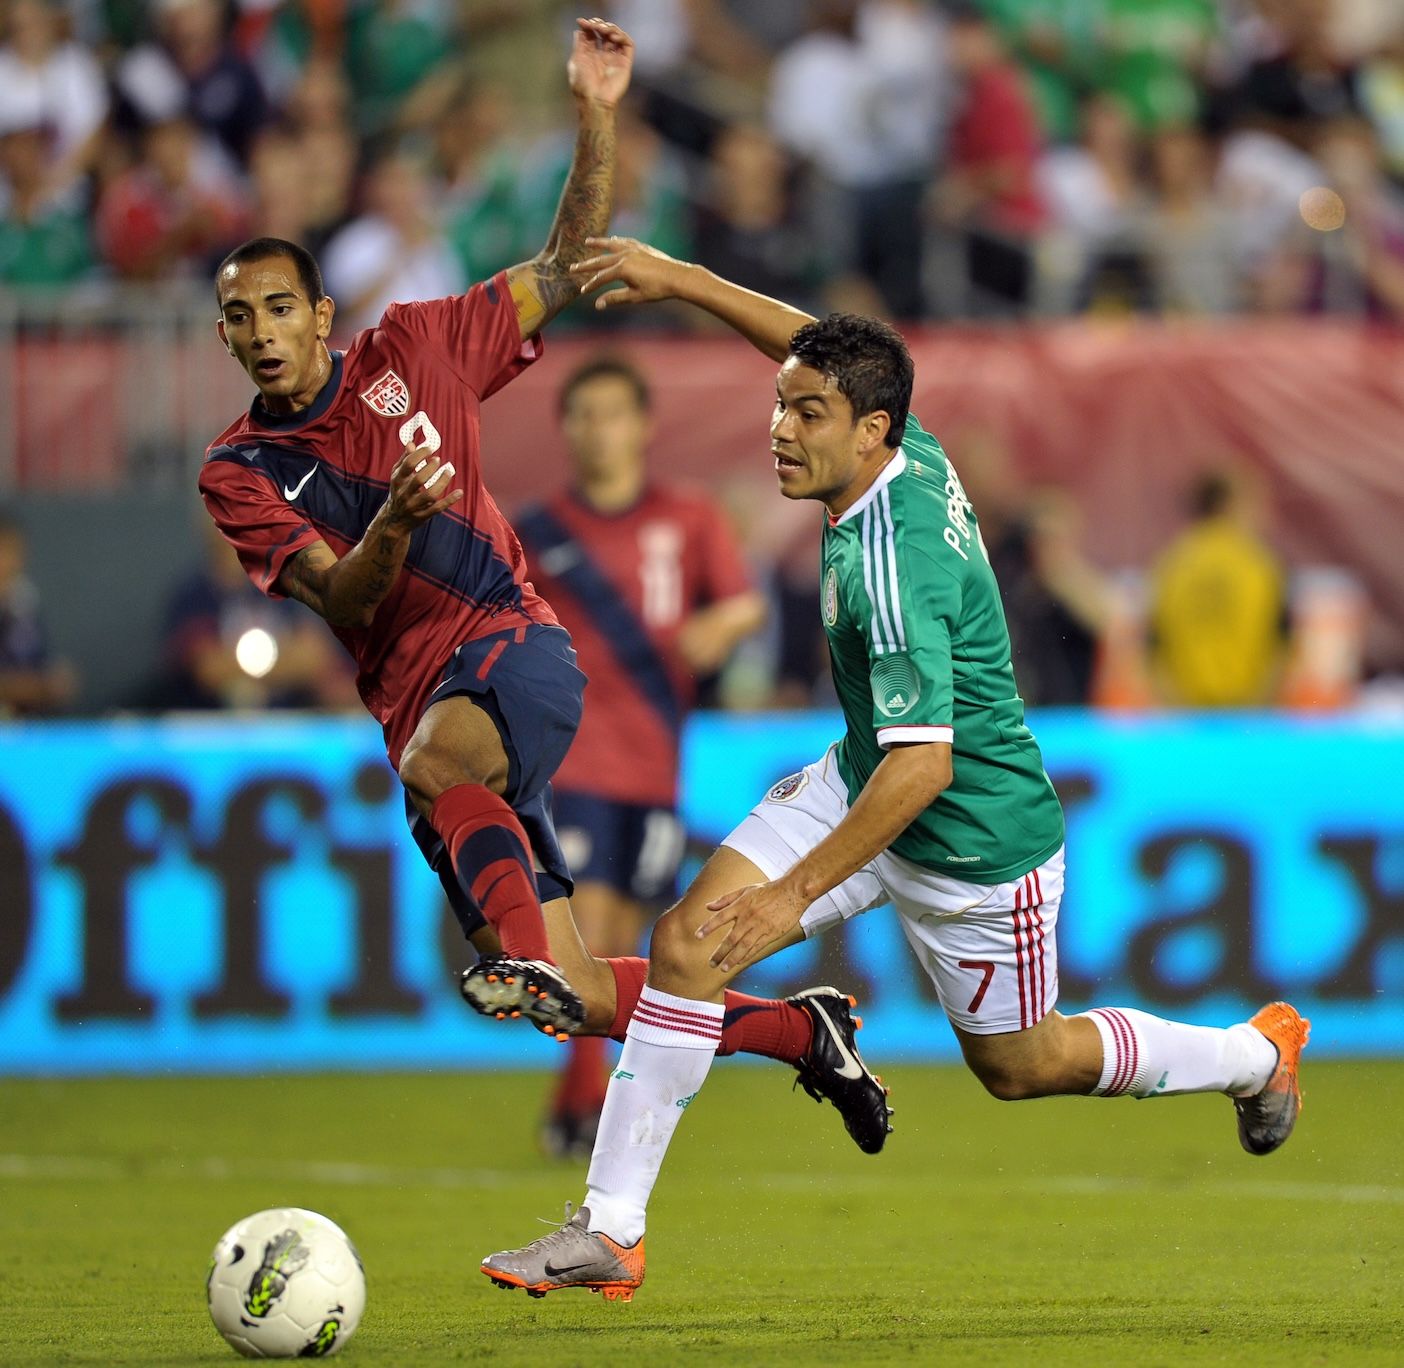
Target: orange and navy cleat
x=507, y=989
x=1265, y=1119
x=833, y=1068
x=573, y=1256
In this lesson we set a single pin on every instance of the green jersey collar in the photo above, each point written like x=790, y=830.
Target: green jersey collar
x=894, y=467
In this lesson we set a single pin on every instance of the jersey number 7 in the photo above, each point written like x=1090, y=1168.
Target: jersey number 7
x=986, y=967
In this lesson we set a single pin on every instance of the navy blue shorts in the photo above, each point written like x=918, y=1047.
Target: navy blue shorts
x=527, y=681
x=635, y=849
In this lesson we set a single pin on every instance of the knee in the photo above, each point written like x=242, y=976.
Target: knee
x=1009, y=1084
x=428, y=768
x=676, y=956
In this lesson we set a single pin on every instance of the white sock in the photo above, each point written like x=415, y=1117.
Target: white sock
x=668, y=1049
x=1146, y=1056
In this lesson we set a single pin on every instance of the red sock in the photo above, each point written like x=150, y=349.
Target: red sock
x=492, y=858
x=764, y=1026
x=580, y=1088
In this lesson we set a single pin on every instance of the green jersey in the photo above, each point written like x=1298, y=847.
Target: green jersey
x=920, y=652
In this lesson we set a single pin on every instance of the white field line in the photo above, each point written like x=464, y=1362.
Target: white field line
x=42, y=1167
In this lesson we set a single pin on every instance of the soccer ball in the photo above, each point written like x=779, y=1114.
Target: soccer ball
x=286, y=1283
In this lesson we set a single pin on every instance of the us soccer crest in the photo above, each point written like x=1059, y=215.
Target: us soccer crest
x=389, y=396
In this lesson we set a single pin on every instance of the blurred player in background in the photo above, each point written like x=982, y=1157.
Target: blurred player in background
x=333, y=491
x=650, y=583
x=934, y=799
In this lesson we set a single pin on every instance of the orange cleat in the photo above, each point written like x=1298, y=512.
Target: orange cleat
x=573, y=1256
x=1265, y=1119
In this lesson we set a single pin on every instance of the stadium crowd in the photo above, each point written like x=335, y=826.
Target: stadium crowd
x=912, y=158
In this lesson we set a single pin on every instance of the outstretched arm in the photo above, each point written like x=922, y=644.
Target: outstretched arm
x=598, y=71
x=648, y=275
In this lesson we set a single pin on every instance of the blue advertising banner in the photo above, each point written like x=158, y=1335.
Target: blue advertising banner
x=242, y=895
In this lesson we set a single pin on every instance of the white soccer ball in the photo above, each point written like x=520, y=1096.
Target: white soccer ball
x=286, y=1283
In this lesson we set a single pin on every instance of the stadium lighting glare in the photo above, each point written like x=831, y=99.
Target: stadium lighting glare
x=256, y=652
x=1322, y=208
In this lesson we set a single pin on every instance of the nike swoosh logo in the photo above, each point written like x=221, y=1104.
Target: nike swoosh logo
x=553, y=1272
x=291, y=494
x=851, y=1067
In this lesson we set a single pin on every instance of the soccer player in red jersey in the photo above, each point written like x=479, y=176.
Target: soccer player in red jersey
x=650, y=582
x=353, y=484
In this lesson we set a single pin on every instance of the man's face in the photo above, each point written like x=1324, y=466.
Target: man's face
x=820, y=451
x=274, y=331
x=605, y=427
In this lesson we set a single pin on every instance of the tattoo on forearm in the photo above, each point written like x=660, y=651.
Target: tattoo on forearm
x=385, y=561
x=583, y=212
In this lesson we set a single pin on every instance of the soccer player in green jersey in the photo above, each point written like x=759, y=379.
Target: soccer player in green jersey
x=934, y=799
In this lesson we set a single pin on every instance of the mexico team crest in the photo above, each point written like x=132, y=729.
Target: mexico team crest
x=787, y=788
x=389, y=396
x=831, y=597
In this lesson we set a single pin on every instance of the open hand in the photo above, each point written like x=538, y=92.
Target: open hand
x=601, y=59
x=646, y=273
x=420, y=486
x=757, y=915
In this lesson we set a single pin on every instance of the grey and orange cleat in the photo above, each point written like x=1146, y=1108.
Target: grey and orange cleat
x=505, y=988
x=572, y=1256
x=1265, y=1119
x=833, y=1068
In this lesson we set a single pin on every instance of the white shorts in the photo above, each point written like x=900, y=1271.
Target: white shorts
x=990, y=949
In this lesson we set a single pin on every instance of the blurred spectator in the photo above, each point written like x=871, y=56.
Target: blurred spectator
x=1306, y=82
x=228, y=646
x=319, y=116
x=1260, y=181
x=479, y=164
x=44, y=239
x=175, y=212
x=31, y=680
x=49, y=83
x=1154, y=56
x=1381, y=91
x=396, y=250
x=194, y=69
x=1093, y=192
x=1055, y=42
x=1356, y=265
x=989, y=194
x=1218, y=610
x=746, y=227
x=1185, y=232
x=1056, y=602
x=393, y=48
x=861, y=98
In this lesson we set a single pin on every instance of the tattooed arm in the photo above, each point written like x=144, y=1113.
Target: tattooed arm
x=346, y=591
x=598, y=72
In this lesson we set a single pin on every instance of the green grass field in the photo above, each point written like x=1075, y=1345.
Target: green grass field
x=1062, y=1232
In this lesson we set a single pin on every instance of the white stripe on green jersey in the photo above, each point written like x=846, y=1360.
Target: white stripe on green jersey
x=920, y=652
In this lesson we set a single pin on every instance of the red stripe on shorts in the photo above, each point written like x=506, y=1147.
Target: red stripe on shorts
x=1019, y=956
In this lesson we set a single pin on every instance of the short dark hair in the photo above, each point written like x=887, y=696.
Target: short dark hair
x=602, y=367
x=866, y=359
x=309, y=274
x=1211, y=494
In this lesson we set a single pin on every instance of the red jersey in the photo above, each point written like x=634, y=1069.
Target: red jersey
x=996, y=126
x=623, y=584
x=275, y=484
